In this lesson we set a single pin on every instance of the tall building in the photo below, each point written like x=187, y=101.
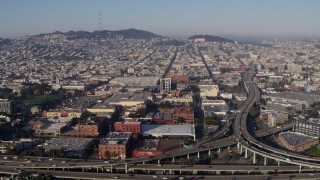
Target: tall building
x=165, y=85
x=5, y=106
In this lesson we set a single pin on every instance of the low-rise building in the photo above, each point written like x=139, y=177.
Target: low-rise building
x=297, y=141
x=115, y=145
x=92, y=127
x=276, y=118
x=163, y=118
x=71, y=147
x=168, y=130
x=185, y=112
x=127, y=126
x=152, y=147
x=310, y=127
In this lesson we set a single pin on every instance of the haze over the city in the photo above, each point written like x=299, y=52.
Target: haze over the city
x=250, y=19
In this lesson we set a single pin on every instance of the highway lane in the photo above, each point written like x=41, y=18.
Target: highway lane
x=75, y=163
x=207, y=168
x=91, y=175
x=243, y=136
x=273, y=130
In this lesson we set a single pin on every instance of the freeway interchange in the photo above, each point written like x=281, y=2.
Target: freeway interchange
x=241, y=137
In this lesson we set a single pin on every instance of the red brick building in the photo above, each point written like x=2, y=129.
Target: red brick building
x=92, y=128
x=163, y=118
x=127, y=126
x=115, y=146
x=186, y=112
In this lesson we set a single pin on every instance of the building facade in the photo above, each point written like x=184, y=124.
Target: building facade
x=165, y=85
x=185, y=112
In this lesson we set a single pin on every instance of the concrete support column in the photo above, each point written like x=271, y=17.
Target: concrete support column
x=111, y=168
x=143, y=162
x=300, y=167
x=265, y=161
x=278, y=163
x=241, y=149
x=228, y=147
x=198, y=155
x=194, y=172
x=254, y=158
x=180, y=172
x=238, y=145
x=158, y=161
x=126, y=167
x=188, y=156
x=173, y=159
x=217, y=172
x=97, y=169
x=232, y=172
x=246, y=153
x=219, y=150
x=209, y=152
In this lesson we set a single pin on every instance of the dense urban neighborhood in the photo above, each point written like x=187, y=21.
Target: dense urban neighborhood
x=132, y=102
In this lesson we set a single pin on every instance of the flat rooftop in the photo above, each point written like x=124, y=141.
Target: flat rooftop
x=167, y=130
x=67, y=144
x=297, y=96
x=296, y=139
x=136, y=81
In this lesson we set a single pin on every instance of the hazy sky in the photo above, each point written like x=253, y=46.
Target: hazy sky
x=274, y=18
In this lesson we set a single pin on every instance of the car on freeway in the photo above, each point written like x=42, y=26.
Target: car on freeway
x=116, y=177
x=155, y=176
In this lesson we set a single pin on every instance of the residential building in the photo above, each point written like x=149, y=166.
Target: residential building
x=185, y=112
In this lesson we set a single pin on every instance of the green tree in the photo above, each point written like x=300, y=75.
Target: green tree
x=210, y=120
x=141, y=111
x=181, y=120
x=132, y=115
x=315, y=150
x=86, y=114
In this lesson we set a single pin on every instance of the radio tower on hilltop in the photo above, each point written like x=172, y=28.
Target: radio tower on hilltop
x=100, y=21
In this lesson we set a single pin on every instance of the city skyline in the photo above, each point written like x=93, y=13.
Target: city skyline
x=246, y=19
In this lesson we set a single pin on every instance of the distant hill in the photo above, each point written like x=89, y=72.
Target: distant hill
x=211, y=38
x=127, y=34
x=136, y=34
